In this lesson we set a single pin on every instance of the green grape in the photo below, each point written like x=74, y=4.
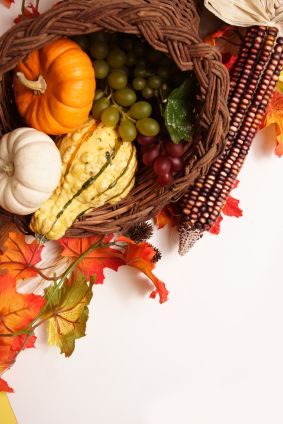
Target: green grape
x=140, y=71
x=148, y=126
x=125, y=97
x=99, y=106
x=154, y=81
x=98, y=94
x=140, y=110
x=131, y=59
x=147, y=92
x=128, y=44
x=117, y=79
x=127, y=130
x=138, y=83
x=98, y=49
x=101, y=68
x=110, y=117
x=116, y=58
x=82, y=41
x=123, y=69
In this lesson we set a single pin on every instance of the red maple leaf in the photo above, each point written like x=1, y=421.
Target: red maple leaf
x=95, y=262
x=22, y=341
x=228, y=60
x=4, y=387
x=231, y=208
x=20, y=257
x=140, y=256
x=29, y=12
x=215, y=229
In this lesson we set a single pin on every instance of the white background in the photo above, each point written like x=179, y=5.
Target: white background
x=212, y=354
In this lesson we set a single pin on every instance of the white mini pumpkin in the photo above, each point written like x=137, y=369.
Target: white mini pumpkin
x=30, y=170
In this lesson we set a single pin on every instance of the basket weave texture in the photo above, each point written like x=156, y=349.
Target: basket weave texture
x=170, y=26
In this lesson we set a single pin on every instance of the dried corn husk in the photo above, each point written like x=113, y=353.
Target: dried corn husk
x=248, y=12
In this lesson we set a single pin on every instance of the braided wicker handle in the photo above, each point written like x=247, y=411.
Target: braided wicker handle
x=170, y=26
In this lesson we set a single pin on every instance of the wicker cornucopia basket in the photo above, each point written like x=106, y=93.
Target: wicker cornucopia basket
x=170, y=26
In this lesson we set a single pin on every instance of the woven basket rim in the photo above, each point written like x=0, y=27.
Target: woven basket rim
x=164, y=24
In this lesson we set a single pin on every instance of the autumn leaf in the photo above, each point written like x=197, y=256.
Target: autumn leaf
x=211, y=39
x=231, y=208
x=141, y=256
x=4, y=387
x=228, y=60
x=20, y=257
x=274, y=115
x=168, y=216
x=17, y=311
x=22, y=341
x=215, y=229
x=95, y=262
x=279, y=85
x=29, y=12
x=67, y=311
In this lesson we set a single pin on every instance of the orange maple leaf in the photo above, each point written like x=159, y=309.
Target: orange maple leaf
x=168, y=216
x=212, y=38
x=4, y=387
x=20, y=257
x=17, y=311
x=95, y=262
x=140, y=256
x=274, y=115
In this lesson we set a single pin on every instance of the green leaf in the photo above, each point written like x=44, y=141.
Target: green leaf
x=67, y=312
x=178, y=112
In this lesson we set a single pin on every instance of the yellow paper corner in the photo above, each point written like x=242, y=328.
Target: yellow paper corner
x=7, y=415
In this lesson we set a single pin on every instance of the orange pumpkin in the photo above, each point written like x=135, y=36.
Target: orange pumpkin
x=54, y=88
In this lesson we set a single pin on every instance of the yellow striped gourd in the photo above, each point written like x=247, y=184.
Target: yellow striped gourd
x=97, y=168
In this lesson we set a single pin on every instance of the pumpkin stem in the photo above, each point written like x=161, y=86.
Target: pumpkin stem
x=38, y=87
x=8, y=169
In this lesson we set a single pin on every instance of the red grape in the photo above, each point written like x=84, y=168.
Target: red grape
x=145, y=140
x=174, y=150
x=149, y=147
x=177, y=164
x=165, y=179
x=151, y=154
x=162, y=165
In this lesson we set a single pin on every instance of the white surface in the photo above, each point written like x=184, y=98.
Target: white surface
x=212, y=354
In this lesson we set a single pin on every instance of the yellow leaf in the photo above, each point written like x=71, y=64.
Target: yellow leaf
x=68, y=312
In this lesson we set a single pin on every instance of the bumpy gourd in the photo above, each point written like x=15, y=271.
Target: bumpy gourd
x=97, y=168
x=30, y=169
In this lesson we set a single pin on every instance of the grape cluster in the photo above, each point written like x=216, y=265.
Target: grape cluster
x=130, y=76
x=164, y=156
